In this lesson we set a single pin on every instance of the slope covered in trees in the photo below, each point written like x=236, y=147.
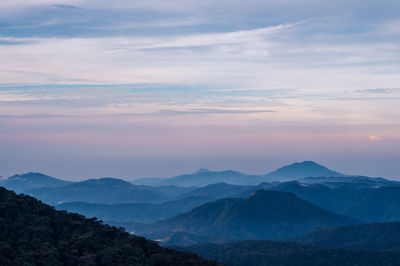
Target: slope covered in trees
x=32, y=233
x=364, y=236
x=264, y=252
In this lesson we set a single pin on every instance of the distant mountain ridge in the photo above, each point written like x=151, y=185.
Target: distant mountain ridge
x=137, y=212
x=217, y=191
x=307, y=171
x=29, y=181
x=203, y=177
x=106, y=191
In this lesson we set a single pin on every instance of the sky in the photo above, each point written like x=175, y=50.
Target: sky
x=131, y=89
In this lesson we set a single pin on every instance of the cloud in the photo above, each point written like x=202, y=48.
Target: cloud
x=252, y=38
x=380, y=90
x=389, y=27
x=261, y=57
x=63, y=6
x=205, y=111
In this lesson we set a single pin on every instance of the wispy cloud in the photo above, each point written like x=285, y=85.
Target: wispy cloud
x=381, y=90
x=149, y=77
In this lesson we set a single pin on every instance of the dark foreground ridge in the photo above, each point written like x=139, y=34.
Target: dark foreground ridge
x=376, y=236
x=264, y=252
x=33, y=233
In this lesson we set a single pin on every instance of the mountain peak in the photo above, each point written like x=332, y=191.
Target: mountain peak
x=105, y=181
x=201, y=171
x=24, y=182
x=29, y=175
x=308, y=164
x=301, y=170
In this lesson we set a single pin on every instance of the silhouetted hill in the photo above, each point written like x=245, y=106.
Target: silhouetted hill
x=301, y=170
x=262, y=215
x=29, y=181
x=106, y=191
x=33, y=233
x=264, y=252
x=136, y=212
x=365, y=236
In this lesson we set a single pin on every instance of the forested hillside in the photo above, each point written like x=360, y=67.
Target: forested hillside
x=264, y=252
x=32, y=233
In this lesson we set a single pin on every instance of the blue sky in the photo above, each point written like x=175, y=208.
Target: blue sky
x=156, y=88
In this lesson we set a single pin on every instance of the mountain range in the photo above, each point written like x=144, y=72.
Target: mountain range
x=106, y=191
x=204, y=177
x=319, y=216
x=138, y=212
x=29, y=228
x=363, y=198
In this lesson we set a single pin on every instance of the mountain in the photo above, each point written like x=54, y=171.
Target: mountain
x=135, y=212
x=155, y=181
x=365, y=236
x=217, y=191
x=301, y=170
x=29, y=181
x=264, y=252
x=33, y=233
x=205, y=177
x=350, y=181
x=334, y=199
x=376, y=205
x=380, y=204
x=262, y=215
x=148, y=181
x=106, y=191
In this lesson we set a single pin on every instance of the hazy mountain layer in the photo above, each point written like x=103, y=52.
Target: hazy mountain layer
x=205, y=177
x=137, y=212
x=107, y=191
x=29, y=181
